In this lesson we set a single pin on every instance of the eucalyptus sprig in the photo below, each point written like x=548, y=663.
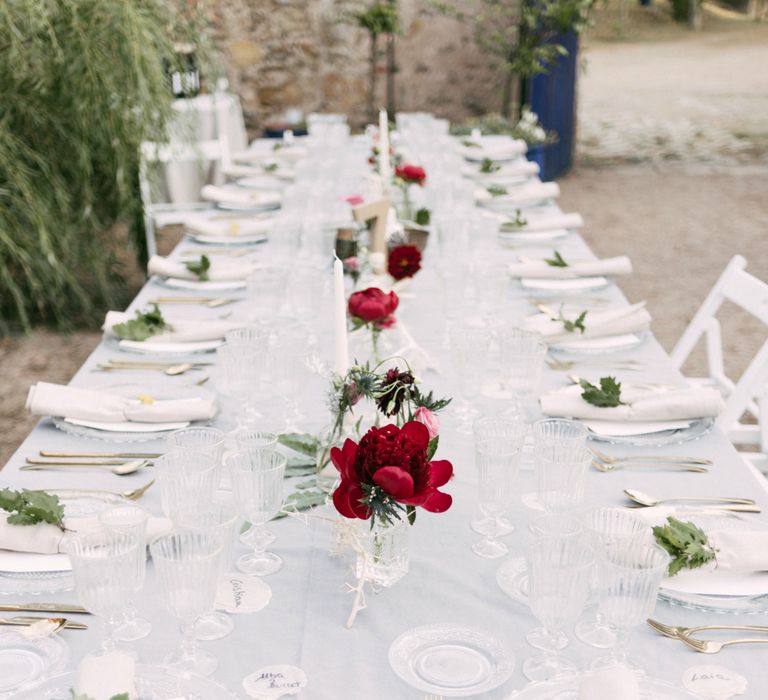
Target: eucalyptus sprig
x=497, y=190
x=571, y=326
x=199, y=268
x=32, y=507
x=608, y=395
x=469, y=143
x=514, y=224
x=488, y=166
x=686, y=543
x=145, y=325
x=269, y=167
x=556, y=260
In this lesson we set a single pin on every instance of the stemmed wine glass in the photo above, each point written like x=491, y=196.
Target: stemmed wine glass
x=187, y=565
x=257, y=480
x=104, y=567
x=522, y=360
x=219, y=519
x=240, y=365
x=289, y=369
x=200, y=439
x=558, y=588
x=498, y=445
x=266, y=292
x=608, y=528
x=186, y=480
x=131, y=520
x=469, y=349
x=629, y=579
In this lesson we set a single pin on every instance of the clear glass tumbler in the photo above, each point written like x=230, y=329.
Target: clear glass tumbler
x=469, y=350
x=186, y=480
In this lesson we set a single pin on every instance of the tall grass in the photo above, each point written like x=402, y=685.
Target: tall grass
x=82, y=84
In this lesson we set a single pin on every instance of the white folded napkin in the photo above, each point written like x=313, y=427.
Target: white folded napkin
x=616, y=683
x=493, y=148
x=598, y=323
x=240, y=196
x=229, y=226
x=506, y=171
x=45, y=538
x=106, y=675
x=641, y=404
x=529, y=192
x=546, y=222
x=740, y=550
x=45, y=399
x=610, y=267
x=219, y=271
x=179, y=332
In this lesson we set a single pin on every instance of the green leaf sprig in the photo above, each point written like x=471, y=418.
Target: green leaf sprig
x=423, y=217
x=497, y=190
x=81, y=696
x=145, y=325
x=686, y=543
x=556, y=260
x=199, y=268
x=515, y=224
x=488, y=166
x=270, y=167
x=469, y=143
x=572, y=326
x=32, y=507
x=608, y=395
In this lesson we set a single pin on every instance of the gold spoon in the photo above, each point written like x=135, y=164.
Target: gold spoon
x=119, y=469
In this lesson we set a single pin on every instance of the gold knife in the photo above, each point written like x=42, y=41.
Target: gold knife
x=25, y=621
x=43, y=607
x=103, y=455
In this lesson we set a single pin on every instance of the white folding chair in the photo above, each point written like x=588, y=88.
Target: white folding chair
x=183, y=197
x=748, y=394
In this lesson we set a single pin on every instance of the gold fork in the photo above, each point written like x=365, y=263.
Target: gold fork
x=677, y=632
x=603, y=457
x=130, y=495
x=708, y=646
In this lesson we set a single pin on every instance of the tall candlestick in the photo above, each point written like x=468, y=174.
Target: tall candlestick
x=385, y=169
x=340, y=318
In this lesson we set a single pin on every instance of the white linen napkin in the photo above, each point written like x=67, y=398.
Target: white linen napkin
x=529, y=192
x=617, y=683
x=45, y=399
x=610, y=267
x=106, y=675
x=227, y=226
x=598, y=323
x=179, y=332
x=506, y=171
x=240, y=196
x=547, y=222
x=641, y=404
x=740, y=550
x=220, y=270
x=494, y=148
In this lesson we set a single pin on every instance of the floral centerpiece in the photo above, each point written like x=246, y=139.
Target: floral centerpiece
x=404, y=261
x=407, y=175
x=373, y=309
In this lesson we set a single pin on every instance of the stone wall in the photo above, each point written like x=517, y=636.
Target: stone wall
x=282, y=54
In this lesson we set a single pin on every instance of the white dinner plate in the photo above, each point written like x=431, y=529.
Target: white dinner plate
x=207, y=286
x=451, y=660
x=240, y=239
x=600, y=345
x=563, y=286
x=645, y=434
x=511, y=237
x=144, y=347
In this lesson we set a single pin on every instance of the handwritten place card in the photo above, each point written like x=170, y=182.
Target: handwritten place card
x=237, y=593
x=714, y=682
x=272, y=682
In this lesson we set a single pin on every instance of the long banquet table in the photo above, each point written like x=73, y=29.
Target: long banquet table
x=304, y=623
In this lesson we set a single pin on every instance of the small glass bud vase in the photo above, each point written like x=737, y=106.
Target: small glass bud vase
x=382, y=559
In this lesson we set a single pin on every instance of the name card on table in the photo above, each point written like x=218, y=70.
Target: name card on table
x=711, y=681
x=237, y=593
x=378, y=211
x=272, y=682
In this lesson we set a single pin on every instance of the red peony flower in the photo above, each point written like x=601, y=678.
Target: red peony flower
x=394, y=460
x=373, y=306
x=404, y=261
x=414, y=174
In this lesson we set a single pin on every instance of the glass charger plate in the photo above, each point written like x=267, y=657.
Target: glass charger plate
x=450, y=660
x=169, y=349
x=700, y=589
x=676, y=436
x=557, y=287
x=195, y=285
x=512, y=577
x=600, y=346
x=568, y=689
x=240, y=240
x=24, y=661
x=152, y=683
x=270, y=206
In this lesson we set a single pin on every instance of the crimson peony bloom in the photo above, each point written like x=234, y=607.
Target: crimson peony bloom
x=373, y=306
x=394, y=460
x=412, y=174
x=404, y=261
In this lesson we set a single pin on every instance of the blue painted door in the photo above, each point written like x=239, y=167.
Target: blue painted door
x=553, y=97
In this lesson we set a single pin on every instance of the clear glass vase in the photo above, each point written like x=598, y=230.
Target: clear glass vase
x=383, y=557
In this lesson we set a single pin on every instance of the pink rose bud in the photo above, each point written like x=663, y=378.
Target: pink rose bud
x=429, y=420
x=351, y=263
x=354, y=199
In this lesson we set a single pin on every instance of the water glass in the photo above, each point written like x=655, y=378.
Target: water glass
x=561, y=461
x=288, y=369
x=187, y=565
x=306, y=290
x=522, y=355
x=629, y=583
x=558, y=587
x=133, y=521
x=186, y=480
x=241, y=368
x=266, y=293
x=257, y=480
x=254, y=438
x=608, y=528
x=498, y=447
x=104, y=567
x=469, y=350
x=220, y=520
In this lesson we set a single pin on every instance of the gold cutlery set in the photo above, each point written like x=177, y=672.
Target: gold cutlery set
x=210, y=302
x=119, y=463
x=170, y=368
x=709, y=646
x=58, y=622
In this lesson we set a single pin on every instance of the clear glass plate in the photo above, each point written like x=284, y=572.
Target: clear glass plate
x=450, y=660
x=271, y=206
x=24, y=661
x=695, y=430
x=183, y=350
x=152, y=683
x=240, y=240
x=512, y=577
x=199, y=286
x=630, y=342
x=568, y=689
